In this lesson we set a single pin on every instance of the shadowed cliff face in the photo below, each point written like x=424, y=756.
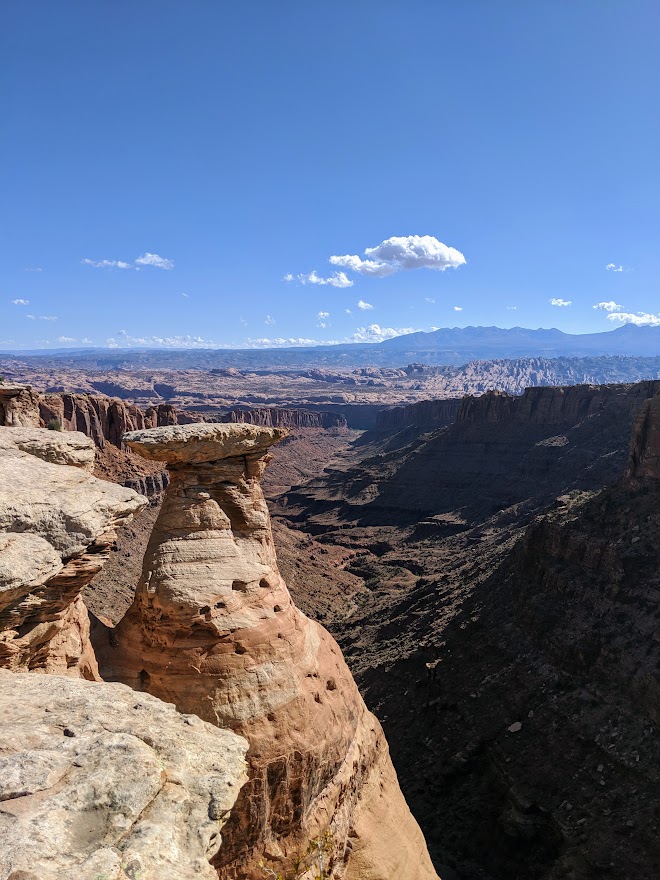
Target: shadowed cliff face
x=213, y=630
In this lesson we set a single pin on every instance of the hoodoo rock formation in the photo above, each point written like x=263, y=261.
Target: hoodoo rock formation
x=57, y=527
x=213, y=629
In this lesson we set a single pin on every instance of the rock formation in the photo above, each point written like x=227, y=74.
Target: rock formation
x=56, y=529
x=99, y=782
x=645, y=446
x=19, y=406
x=431, y=413
x=213, y=630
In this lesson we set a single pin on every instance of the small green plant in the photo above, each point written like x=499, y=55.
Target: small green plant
x=54, y=425
x=316, y=859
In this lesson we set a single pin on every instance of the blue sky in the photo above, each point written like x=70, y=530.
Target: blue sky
x=216, y=148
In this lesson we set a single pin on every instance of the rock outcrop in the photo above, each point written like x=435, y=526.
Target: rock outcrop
x=99, y=782
x=56, y=529
x=644, y=461
x=213, y=630
x=19, y=406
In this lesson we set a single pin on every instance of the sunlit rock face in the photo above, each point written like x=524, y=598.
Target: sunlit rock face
x=57, y=527
x=99, y=782
x=213, y=630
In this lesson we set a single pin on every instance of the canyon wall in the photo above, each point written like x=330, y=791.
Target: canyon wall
x=57, y=527
x=431, y=413
x=273, y=417
x=213, y=630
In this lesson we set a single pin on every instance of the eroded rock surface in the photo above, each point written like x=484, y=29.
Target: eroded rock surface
x=213, y=630
x=99, y=782
x=19, y=406
x=56, y=529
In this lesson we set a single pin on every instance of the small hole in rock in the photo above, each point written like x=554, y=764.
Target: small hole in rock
x=205, y=609
x=239, y=649
x=220, y=604
x=263, y=583
x=241, y=586
x=277, y=608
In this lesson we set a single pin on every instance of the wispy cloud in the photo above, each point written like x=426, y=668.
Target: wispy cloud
x=42, y=317
x=33, y=269
x=66, y=339
x=559, y=302
x=430, y=299
x=123, y=339
x=146, y=259
x=642, y=319
x=364, y=306
x=458, y=308
x=185, y=296
x=400, y=253
x=155, y=261
x=106, y=264
x=323, y=319
x=337, y=279
x=512, y=308
x=610, y=306
x=612, y=267
x=348, y=311
x=269, y=320
x=376, y=333
x=21, y=302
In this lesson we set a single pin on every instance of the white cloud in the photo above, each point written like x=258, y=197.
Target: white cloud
x=154, y=260
x=106, y=264
x=323, y=319
x=86, y=341
x=323, y=315
x=364, y=306
x=33, y=269
x=281, y=341
x=644, y=319
x=269, y=320
x=337, y=279
x=42, y=317
x=123, y=339
x=65, y=339
x=430, y=299
x=348, y=311
x=21, y=302
x=612, y=267
x=400, y=253
x=610, y=306
x=376, y=333
x=559, y=302
x=512, y=308
x=185, y=296
x=458, y=308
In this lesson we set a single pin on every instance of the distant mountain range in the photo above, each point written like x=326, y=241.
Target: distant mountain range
x=446, y=346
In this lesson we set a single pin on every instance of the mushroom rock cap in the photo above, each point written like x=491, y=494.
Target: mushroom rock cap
x=180, y=444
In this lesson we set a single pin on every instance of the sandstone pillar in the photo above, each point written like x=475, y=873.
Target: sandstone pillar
x=213, y=630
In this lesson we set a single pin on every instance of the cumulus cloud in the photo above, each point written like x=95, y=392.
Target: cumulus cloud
x=65, y=339
x=337, y=279
x=21, y=302
x=123, y=339
x=106, y=264
x=42, y=317
x=400, y=253
x=348, y=311
x=643, y=319
x=364, y=306
x=610, y=306
x=155, y=261
x=269, y=320
x=458, y=308
x=376, y=333
x=612, y=267
x=323, y=319
x=430, y=299
x=559, y=302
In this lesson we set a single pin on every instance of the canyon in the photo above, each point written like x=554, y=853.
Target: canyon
x=487, y=565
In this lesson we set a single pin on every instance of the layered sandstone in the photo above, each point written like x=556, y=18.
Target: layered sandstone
x=19, y=406
x=98, y=782
x=277, y=417
x=213, y=630
x=57, y=526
